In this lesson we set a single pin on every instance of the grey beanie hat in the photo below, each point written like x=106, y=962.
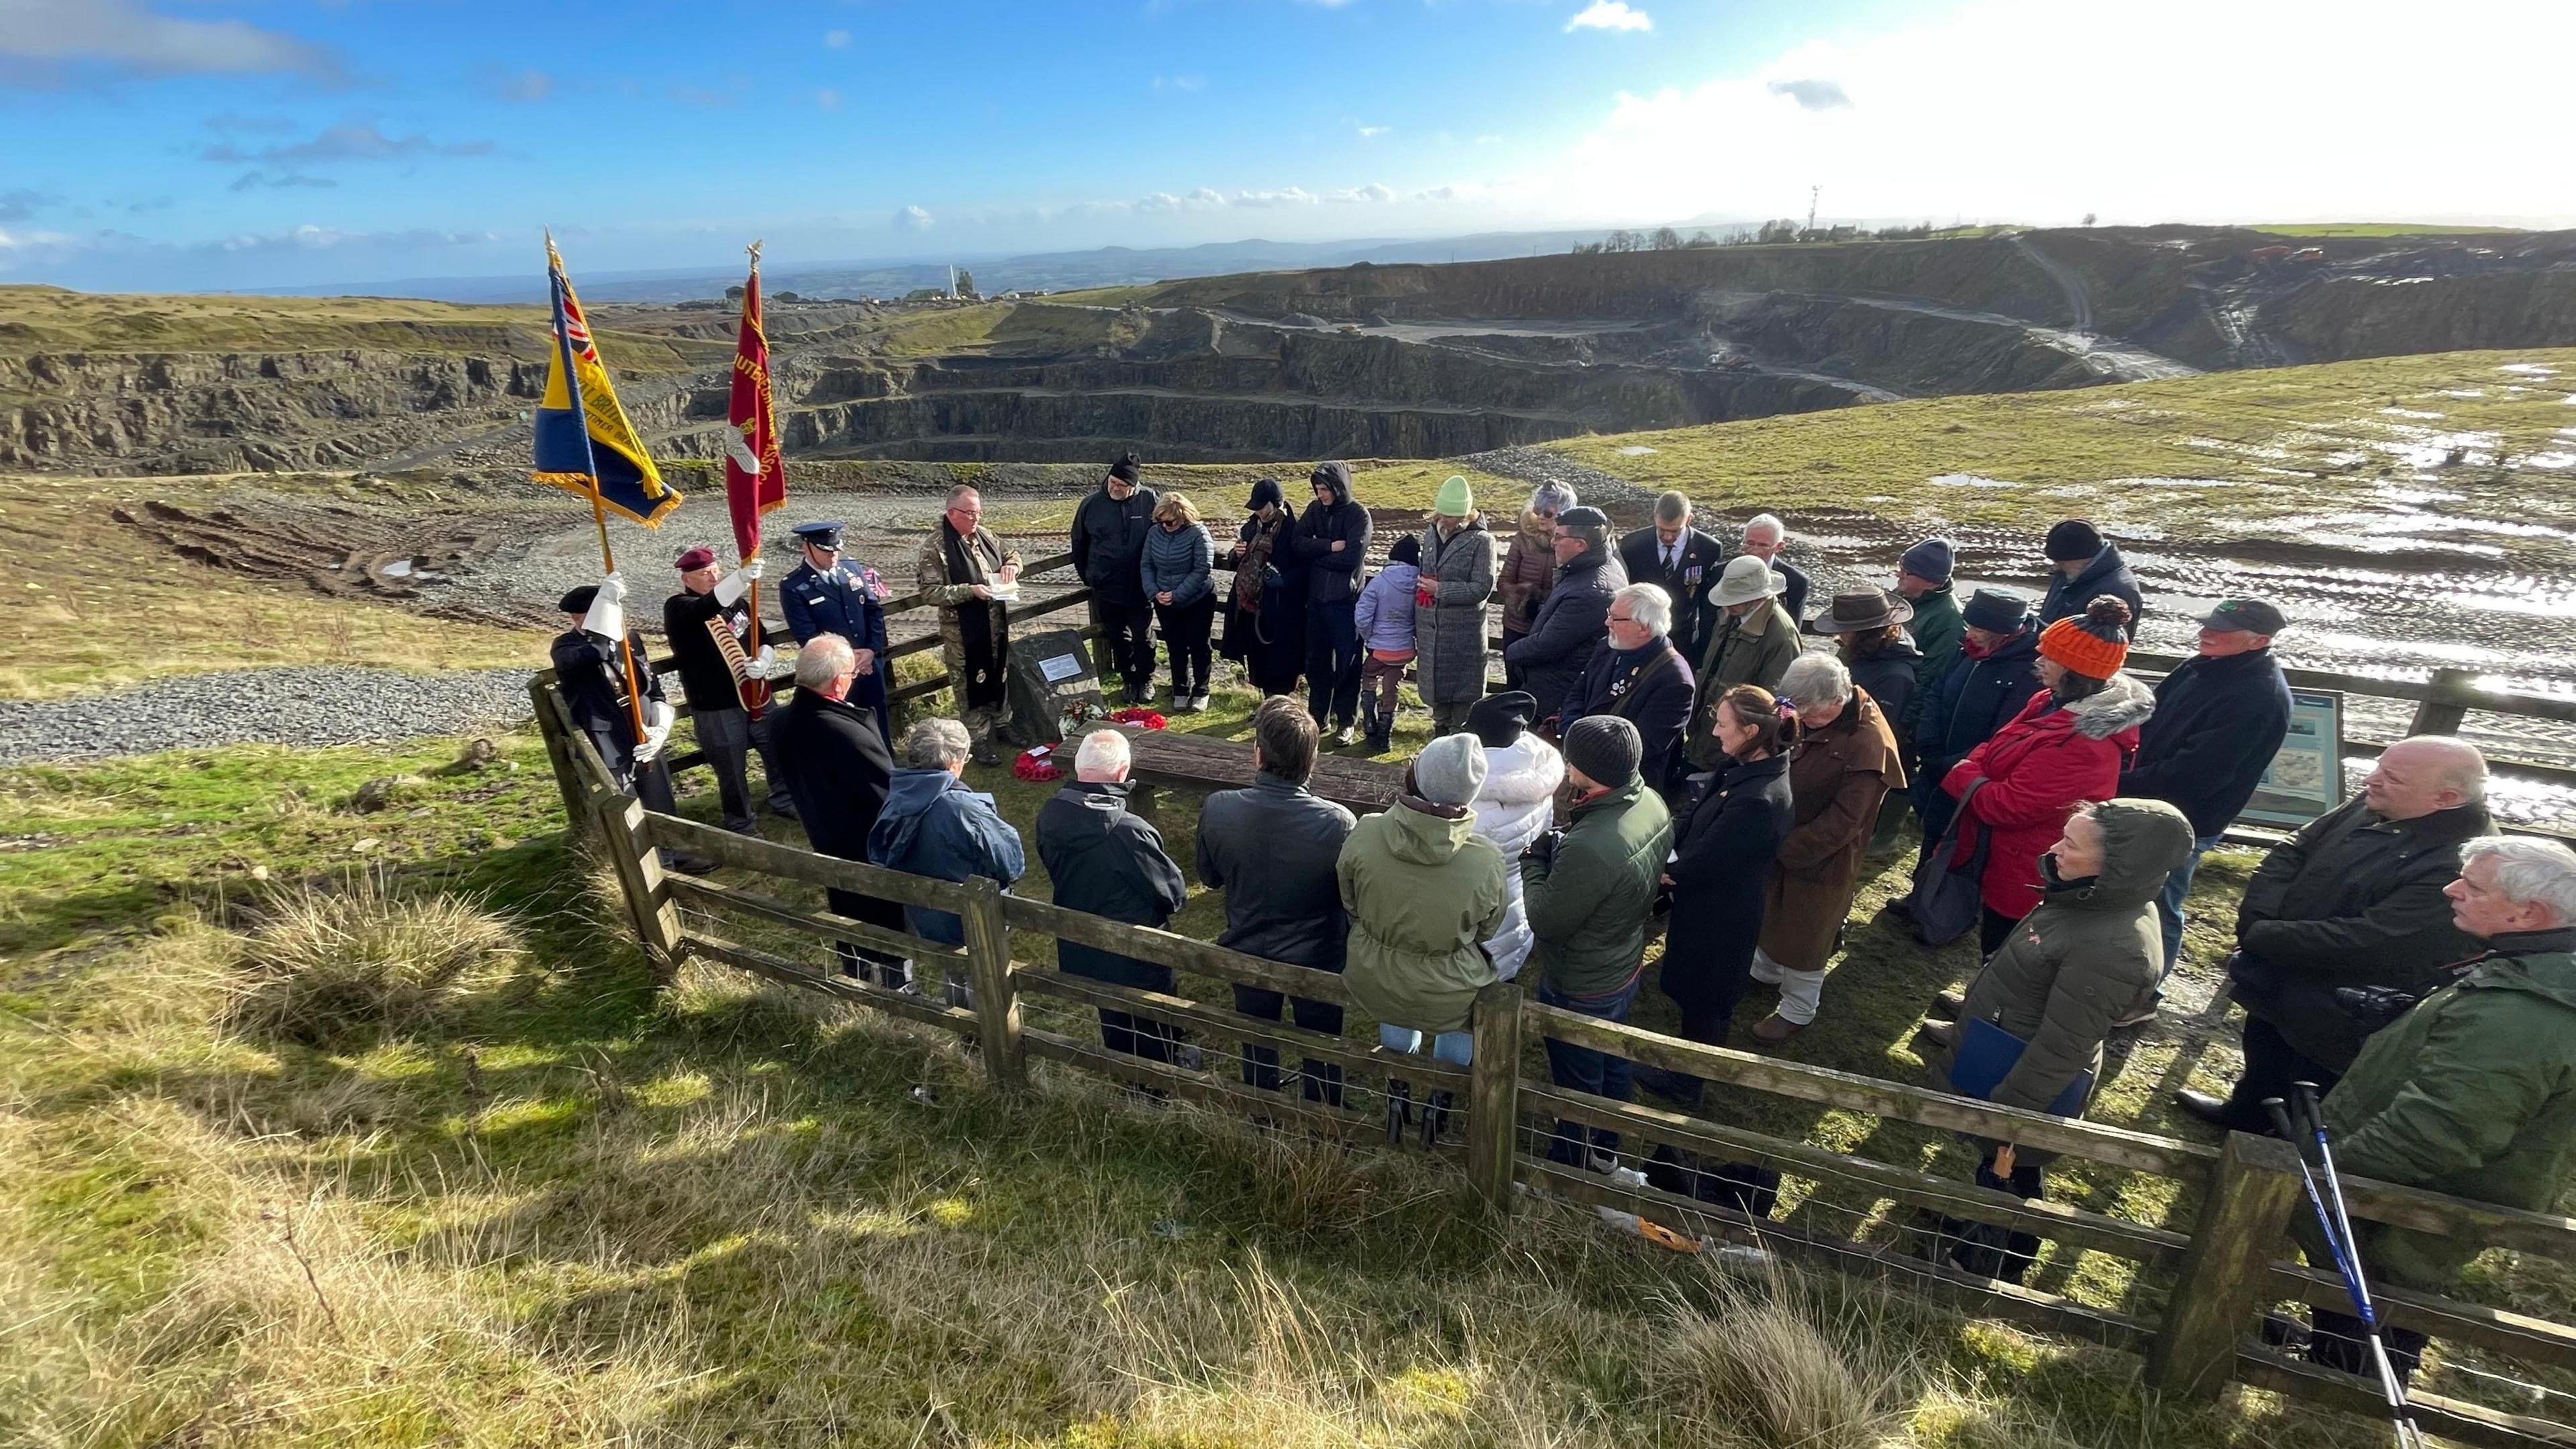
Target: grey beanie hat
x=1450, y=770
x=1606, y=748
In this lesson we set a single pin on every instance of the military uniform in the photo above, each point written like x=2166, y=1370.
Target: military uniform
x=593, y=680
x=841, y=602
x=726, y=731
x=974, y=635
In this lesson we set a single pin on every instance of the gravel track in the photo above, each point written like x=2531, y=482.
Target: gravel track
x=302, y=705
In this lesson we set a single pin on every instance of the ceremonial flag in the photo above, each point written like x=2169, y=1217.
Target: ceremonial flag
x=755, y=479
x=584, y=443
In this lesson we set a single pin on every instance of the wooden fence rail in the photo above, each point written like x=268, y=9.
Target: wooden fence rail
x=2218, y=1270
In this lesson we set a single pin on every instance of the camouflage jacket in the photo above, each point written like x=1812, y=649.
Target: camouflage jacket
x=987, y=555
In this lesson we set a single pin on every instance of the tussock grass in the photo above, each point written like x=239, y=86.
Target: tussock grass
x=331, y=961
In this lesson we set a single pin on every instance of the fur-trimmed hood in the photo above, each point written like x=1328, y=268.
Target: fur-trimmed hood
x=2121, y=704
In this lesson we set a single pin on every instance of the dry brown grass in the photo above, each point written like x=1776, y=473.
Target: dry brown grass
x=331, y=961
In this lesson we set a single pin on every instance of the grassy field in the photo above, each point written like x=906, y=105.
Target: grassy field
x=2206, y=457
x=553, y=1209
x=52, y=319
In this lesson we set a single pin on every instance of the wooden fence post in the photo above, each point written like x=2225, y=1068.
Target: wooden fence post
x=997, y=999
x=568, y=781
x=2441, y=715
x=2224, y=1270
x=1493, y=1094
x=639, y=874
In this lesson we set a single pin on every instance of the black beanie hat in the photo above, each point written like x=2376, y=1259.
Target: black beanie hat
x=1501, y=719
x=1407, y=550
x=2073, y=539
x=1127, y=468
x=2001, y=610
x=1266, y=491
x=1606, y=748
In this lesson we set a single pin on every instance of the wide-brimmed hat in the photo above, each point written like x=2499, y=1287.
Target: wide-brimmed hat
x=1859, y=612
x=1746, y=578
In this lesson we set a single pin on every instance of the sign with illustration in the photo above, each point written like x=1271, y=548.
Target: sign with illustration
x=2306, y=777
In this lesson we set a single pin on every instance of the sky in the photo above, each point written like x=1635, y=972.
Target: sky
x=174, y=145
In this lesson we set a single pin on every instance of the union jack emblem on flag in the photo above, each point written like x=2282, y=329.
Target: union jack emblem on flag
x=577, y=332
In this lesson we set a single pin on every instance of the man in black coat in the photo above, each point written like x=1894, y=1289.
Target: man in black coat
x=1109, y=532
x=1682, y=561
x=1996, y=673
x=2354, y=899
x=1637, y=675
x=1569, y=626
x=1108, y=861
x=2220, y=718
x=1331, y=544
x=837, y=767
x=725, y=729
x=1272, y=849
x=590, y=672
x=2082, y=566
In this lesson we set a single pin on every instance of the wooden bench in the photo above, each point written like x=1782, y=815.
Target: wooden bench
x=1167, y=757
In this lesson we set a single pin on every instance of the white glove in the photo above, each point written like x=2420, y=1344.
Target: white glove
x=612, y=589
x=765, y=663
x=607, y=619
x=734, y=585
x=657, y=730
x=755, y=568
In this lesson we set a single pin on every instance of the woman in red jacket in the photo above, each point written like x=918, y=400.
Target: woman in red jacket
x=2067, y=746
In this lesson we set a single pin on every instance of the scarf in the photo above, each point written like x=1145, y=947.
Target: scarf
x=1253, y=568
x=971, y=561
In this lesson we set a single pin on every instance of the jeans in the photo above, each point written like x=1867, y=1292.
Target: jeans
x=1457, y=1048
x=2169, y=905
x=1185, y=638
x=1323, y=1080
x=1587, y=1070
x=1332, y=662
x=729, y=736
x=1127, y=637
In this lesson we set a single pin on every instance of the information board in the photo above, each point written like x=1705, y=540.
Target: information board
x=2306, y=777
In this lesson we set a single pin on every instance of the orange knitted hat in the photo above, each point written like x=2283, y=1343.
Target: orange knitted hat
x=2094, y=643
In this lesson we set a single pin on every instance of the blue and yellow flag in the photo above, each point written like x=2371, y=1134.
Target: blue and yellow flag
x=585, y=445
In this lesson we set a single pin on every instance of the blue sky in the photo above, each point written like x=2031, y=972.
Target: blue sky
x=173, y=144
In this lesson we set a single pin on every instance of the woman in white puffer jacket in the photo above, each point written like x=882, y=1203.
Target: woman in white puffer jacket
x=1517, y=803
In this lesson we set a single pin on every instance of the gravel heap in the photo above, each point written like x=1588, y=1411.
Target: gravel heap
x=1606, y=491
x=303, y=705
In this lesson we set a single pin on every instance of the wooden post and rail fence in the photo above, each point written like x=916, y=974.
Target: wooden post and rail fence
x=2200, y=1280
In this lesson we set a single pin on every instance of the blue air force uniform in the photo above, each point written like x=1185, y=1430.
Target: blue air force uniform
x=839, y=602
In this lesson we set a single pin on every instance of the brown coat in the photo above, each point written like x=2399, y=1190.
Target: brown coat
x=1837, y=777
x=1529, y=566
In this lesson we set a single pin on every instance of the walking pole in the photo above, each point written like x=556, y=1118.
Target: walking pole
x=2347, y=1264
x=2314, y=1111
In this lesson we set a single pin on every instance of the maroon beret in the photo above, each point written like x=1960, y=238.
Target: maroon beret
x=696, y=558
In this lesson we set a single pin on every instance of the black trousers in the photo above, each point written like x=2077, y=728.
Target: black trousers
x=2272, y=1065
x=728, y=736
x=1984, y=1249
x=1185, y=637
x=1333, y=656
x=1993, y=929
x=867, y=963
x=1323, y=1080
x=1127, y=634
x=2340, y=1341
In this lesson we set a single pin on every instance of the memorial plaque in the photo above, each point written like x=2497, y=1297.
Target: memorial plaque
x=1050, y=670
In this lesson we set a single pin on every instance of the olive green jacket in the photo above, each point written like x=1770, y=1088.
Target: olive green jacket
x=1755, y=649
x=2473, y=1093
x=1424, y=892
x=1588, y=906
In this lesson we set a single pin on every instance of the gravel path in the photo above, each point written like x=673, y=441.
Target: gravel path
x=304, y=705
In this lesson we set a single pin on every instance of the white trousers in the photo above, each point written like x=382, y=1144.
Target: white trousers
x=1799, y=990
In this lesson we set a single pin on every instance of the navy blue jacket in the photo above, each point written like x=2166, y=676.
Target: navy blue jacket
x=934, y=825
x=2217, y=725
x=1108, y=861
x=840, y=602
x=1975, y=699
x=1659, y=704
x=1569, y=626
x=2108, y=573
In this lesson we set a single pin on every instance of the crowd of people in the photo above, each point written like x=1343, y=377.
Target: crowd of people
x=1677, y=747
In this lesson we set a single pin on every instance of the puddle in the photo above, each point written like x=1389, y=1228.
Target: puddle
x=1969, y=480
x=401, y=569
x=2545, y=460
x=2411, y=413
x=2164, y=482
x=2462, y=392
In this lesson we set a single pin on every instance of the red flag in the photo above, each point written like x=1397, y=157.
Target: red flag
x=755, y=480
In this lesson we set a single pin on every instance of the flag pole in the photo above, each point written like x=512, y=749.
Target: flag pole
x=760, y=631
x=598, y=505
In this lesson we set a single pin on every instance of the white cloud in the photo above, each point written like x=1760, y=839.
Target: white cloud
x=1815, y=95
x=44, y=42
x=1370, y=192
x=836, y=39
x=1207, y=196
x=1286, y=196
x=912, y=218
x=1609, y=15
x=1971, y=116
x=1437, y=193
x=1371, y=133
x=828, y=98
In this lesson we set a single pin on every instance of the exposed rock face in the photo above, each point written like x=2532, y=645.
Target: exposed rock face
x=219, y=412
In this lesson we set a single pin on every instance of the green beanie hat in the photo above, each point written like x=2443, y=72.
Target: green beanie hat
x=1456, y=499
